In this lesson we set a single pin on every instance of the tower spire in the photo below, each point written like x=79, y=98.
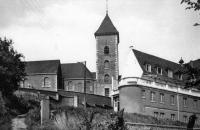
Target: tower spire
x=106, y=6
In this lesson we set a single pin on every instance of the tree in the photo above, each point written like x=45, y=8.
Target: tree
x=191, y=74
x=12, y=69
x=192, y=4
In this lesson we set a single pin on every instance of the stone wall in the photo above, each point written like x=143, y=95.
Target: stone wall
x=141, y=126
x=37, y=82
x=68, y=97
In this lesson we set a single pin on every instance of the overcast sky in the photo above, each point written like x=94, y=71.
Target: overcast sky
x=64, y=29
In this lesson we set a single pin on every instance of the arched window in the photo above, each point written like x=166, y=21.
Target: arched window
x=46, y=82
x=106, y=78
x=106, y=64
x=106, y=50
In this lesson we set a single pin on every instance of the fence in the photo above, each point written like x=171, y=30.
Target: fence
x=142, y=126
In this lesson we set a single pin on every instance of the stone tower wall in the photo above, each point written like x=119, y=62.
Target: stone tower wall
x=113, y=70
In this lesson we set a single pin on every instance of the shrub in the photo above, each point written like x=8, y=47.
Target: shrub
x=33, y=118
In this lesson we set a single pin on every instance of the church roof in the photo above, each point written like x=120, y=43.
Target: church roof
x=106, y=28
x=42, y=67
x=75, y=71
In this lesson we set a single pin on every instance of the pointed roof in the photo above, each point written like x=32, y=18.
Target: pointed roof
x=107, y=28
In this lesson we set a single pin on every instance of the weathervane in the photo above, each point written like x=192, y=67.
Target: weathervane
x=106, y=6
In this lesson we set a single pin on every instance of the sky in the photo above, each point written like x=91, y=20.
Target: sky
x=64, y=29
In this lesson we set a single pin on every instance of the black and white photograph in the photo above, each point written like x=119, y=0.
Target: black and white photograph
x=99, y=65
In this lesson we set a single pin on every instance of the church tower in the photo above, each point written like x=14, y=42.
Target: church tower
x=107, y=64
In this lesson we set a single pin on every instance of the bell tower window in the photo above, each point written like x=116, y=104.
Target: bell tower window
x=106, y=64
x=106, y=50
x=106, y=78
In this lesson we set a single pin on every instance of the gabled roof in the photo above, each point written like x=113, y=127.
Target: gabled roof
x=155, y=61
x=107, y=28
x=75, y=70
x=42, y=67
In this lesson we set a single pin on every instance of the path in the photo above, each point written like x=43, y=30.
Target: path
x=18, y=123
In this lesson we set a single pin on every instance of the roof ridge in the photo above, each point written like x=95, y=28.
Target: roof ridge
x=42, y=60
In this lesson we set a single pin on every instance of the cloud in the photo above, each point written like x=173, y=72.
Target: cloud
x=12, y=11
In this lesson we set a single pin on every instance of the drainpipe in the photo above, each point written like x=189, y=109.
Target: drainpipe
x=178, y=109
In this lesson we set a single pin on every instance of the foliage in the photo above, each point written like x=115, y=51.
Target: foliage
x=11, y=67
x=192, y=4
x=70, y=118
x=192, y=76
x=3, y=109
x=138, y=118
x=33, y=118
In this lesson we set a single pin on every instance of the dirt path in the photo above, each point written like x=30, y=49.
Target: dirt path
x=18, y=123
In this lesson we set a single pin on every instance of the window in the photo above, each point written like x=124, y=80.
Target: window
x=143, y=94
x=185, y=118
x=170, y=73
x=173, y=116
x=148, y=67
x=107, y=92
x=47, y=82
x=70, y=86
x=159, y=70
x=184, y=101
x=29, y=85
x=22, y=84
x=152, y=98
x=161, y=98
x=195, y=104
x=79, y=87
x=155, y=114
x=106, y=50
x=91, y=88
x=106, y=78
x=180, y=77
x=162, y=115
x=172, y=100
x=106, y=64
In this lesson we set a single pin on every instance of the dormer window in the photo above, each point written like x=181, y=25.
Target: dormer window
x=148, y=67
x=159, y=70
x=170, y=73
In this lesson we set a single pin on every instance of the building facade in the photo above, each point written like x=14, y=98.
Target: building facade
x=70, y=84
x=77, y=78
x=155, y=86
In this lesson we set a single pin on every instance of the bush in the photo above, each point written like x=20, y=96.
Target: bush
x=69, y=118
x=33, y=118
